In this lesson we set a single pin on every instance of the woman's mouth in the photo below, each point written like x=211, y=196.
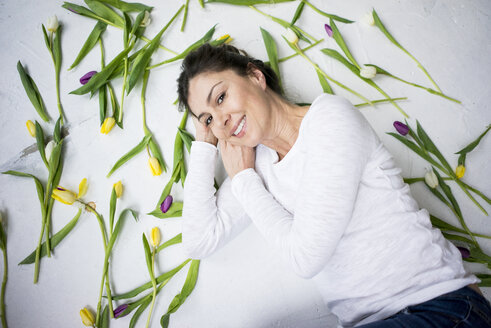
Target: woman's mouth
x=241, y=129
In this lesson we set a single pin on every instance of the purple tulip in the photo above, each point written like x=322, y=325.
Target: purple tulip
x=328, y=30
x=464, y=252
x=401, y=128
x=120, y=309
x=84, y=79
x=164, y=207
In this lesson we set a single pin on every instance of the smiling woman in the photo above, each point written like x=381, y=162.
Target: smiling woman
x=319, y=185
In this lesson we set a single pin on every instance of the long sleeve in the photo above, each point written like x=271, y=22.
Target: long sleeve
x=337, y=140
x=209, y=219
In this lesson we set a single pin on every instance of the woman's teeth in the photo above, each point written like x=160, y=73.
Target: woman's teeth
x=239, y=128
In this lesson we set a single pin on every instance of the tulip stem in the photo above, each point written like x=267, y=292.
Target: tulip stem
x=154, y=284
x=373, y=84
x=4, y=284
x=38, y=252
x=57, y=77
x=120, y=116
x=303, y=49
x=380, y=101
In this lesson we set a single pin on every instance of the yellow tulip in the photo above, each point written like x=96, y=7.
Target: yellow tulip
x=87, y=317
x=459, y=171
x=155, y=236
x=118, y=187
x=65, y=196
x=82, y=188
x=227, y=37
x=31, y=128
x=108, y=125
x=154, y=166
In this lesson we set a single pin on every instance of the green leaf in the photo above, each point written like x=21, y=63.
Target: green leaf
x=178, y=153
x=442, y=225
x=105, y=318
x=248, y=2
x=164, y=320
x=323, y=13
x=57, y=131
x=166, y=190
x=138, y=313
x=101, y=78
x=39, y=186
x=127, y=28
x=340, y=41
x=32, y=92
x=473, y=144
x=127, y=6
x=126, y=157
x=430, y=146
x=382, y=28
x=84, y=12
x=448, y=192
x=57, y=50
x=105, y=12
x=91, y=41
x=173, y=241
x=272, y=53
x=324, y=84
x=298, y=12
x=148, y=285
x=155, y=150
x=450, y=236
x=46, y=38
x=141, y=62
x=117, y=228
x=112, y=209
x=186, y=137
x=175, y=210
x=411, y=145
x=54, y=240
x=148, y=256
x=102, y=103
x=40, y=143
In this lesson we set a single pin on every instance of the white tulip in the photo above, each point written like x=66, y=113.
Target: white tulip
x=49, y=149
x=368, y=72
x=368, y=19
x=431, y=179
x=146, y=19
x=291, y=36
x=52, y=24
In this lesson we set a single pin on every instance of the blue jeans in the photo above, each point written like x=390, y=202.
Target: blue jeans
x=458, y=309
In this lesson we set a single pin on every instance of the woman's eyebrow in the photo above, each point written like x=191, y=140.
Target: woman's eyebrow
x=209, y=95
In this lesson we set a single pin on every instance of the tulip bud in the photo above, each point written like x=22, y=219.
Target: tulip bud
x=164, y=207
x=82, y=188
x=31, y=127
x=87, y=317
x=154, y=166
x=401, y=127
x=368, y=72
x=368, y=19
x=459, y=171
x=108, y=125
x=52, y=24
x=431, y=179
x=118, y=188
x=328, y=30
x=146, y=19
x=291, y=36
x=119, y=310
x=155, y=236
x=84, y=79
x=91, y=205
x=464, y=252
x=64, y=196
x=49, y=149
x=225, y=36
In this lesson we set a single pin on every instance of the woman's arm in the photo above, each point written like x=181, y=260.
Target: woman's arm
x=339, y=142
x=209, y=220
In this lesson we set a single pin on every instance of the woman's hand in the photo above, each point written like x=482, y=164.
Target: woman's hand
x=236, y=158
x=203, y=133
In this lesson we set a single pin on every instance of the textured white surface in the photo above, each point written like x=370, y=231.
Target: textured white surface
x=244, y=284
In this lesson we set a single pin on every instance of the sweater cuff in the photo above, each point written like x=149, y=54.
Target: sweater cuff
x=242, y=180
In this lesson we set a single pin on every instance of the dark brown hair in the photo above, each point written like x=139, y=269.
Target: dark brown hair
x=209, y=58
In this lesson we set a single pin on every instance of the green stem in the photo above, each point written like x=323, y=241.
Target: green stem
x=38, y=253
x=388, y=97
x=380, y=101
x=4, y=284
x=154, y=284
x=427, y=89
x=185, y=16
x=57, y=78
x=302, y=49
x=470, y=196
x=48, y=226
x=120, y=116
x=424, y=70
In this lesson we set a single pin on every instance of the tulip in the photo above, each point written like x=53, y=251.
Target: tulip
x=31, y=128
x=118, y=187
x=401, y=128
x=368, y=72
x=52, y=24
x=119, y=310
x=146, y=19
x=328, y=30
x=84, y=79
x=459, y=171
x=64, y=196
x=291, y=36
x=464, y=252
x=226, y=36
x=368, y=19
x=82, y=188
x=49, y=149
x=154, y=166
x=87, y=317
x=431, y=179
x=91, y=205
x=155, y=236
x=108, y=125
x=164, y=207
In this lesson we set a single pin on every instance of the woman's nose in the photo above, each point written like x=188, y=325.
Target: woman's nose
x=222, y=120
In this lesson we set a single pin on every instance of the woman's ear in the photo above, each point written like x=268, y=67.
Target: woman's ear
x=256, y=75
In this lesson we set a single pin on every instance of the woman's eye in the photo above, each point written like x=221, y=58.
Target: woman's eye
x=208, y=120
x=220, y=99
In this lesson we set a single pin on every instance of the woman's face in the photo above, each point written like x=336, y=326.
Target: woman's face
x=228, y=103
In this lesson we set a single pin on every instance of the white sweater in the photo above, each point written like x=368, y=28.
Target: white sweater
x=336, y=209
